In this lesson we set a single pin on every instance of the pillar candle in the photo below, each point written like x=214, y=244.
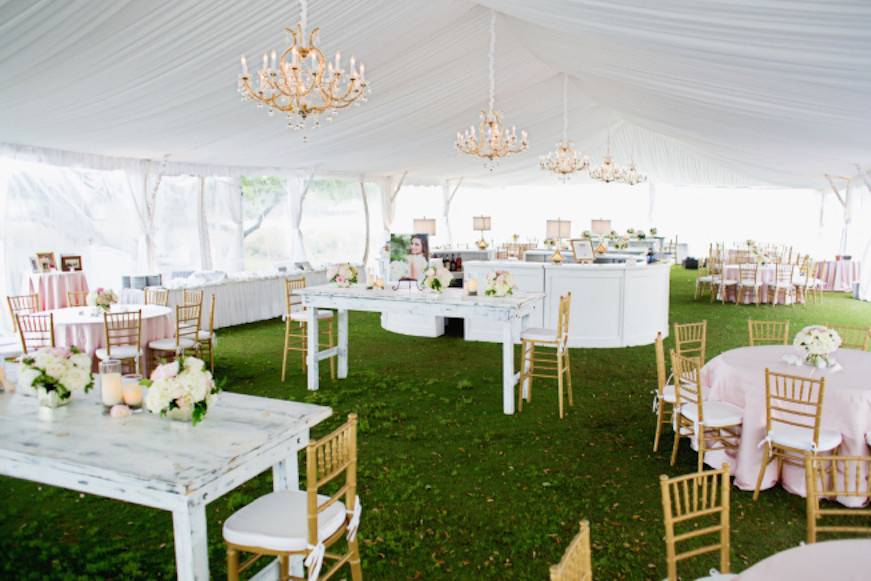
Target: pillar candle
x=132, y=394
x=110, y=389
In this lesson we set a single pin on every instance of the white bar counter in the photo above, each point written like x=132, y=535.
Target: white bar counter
x=613, y=305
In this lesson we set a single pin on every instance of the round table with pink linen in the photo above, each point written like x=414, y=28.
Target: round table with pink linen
x=766, y=274
x=738, y=377
x=84, y=327
x=842, y=560
x=53, y=287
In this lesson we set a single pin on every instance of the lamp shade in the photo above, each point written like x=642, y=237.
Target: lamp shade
x=481, y=223
x=600, y=226
x=424, y=226
x=559, y=228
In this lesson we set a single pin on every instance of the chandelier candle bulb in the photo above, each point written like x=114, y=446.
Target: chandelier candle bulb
x=244, y=66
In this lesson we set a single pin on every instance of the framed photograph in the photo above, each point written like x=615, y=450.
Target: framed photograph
x=582, y=250
x=409, y=256
x=45, y=261
x=69, y=263
x=33, y=266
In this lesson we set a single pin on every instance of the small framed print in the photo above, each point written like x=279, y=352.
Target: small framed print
x=582, y=250
x=70, y=263
x=45, y=261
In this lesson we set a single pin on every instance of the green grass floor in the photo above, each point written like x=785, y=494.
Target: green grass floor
x=451, y=487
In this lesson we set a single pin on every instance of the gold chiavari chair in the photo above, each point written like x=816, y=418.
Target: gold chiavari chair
x=296, y=327
x=156, y=296
x=793, y=408
x=304, y=522
x=768, y=332
x=830, y=477
x=577, y=563
x=123, y=335
x=708, y=278
x=207, y=339
x=715, y=425
x=36, y=331
x=691, y=340
x=783, y=284
x=545, y=354
x=748, y=283
x=853, y=337
x=805, y=285
x=77, y=298
x=192, y=297
x=663, y=403
x=22, y=305
x=723, y=284
x=694, y=508
x=187, y=328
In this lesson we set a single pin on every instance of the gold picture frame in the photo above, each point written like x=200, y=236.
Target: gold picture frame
x=582, y=250
x=46, y=261
x=70, y=263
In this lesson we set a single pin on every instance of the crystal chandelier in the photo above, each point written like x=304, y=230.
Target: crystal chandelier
x=607, y=171
x=564, y=160
x=632, y=176
x=493, y=140
x=301, y=82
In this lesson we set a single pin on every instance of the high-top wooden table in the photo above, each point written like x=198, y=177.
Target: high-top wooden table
x=450, y=303
x=148, y=460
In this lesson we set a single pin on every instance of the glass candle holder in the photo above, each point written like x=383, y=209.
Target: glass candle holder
x=111, y=391
x=132, y=392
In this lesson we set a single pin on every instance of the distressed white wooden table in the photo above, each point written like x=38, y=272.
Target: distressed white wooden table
x=450, y=303
x=155, y=462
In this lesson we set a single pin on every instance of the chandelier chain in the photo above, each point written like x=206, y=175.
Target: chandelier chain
x=565, y=107
x=492, y=60
x=303, y=14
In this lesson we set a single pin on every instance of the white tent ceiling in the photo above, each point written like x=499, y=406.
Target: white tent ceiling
x=729, y=92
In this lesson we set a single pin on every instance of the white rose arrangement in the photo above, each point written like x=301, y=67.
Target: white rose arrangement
x=344, y=275
x=499, y=284
x=182, y=390
x=103, y=298
x=819, y=343
x=437, y=278
x=55, y=373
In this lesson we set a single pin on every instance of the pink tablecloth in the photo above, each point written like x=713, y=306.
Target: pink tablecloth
x=53, y=286
x=838, y=275
x=79, y=326
x=841, y=560
x=765, y=273
x=738, y=377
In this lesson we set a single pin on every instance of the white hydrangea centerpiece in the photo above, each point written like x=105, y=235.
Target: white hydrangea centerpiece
x=103, y=298
x=182, y=390
x=344, y=275
x=56, y=373
x=437, y=278
x=499, y=283
x=818, y=343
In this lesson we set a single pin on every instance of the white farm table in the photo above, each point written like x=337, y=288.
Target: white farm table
x=174, y=466
x=450, y=303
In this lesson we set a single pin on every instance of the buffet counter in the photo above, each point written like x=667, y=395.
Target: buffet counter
x=613, y=305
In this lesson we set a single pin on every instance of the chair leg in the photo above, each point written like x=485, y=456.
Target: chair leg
x=559, y=380
x=523, y=375
x=283, y=568
x=284, y=357
x=212, y=355
x=676, y=443
x=331, y=343
x=701, y=456
x=232, y=564
x=660, y=413
x=766, y=460
x=568, y=368
x=531, y=347
x=354, y=561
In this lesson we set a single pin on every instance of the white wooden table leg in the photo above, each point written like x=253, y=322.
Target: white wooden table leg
x=507, y=367
x=524, y=323
x=313, y=346
x=343, y=344
x=191, y=544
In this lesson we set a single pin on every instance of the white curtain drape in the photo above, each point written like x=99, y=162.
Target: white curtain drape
x=297, y=188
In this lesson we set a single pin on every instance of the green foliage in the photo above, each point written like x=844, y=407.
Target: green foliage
x=451, y=487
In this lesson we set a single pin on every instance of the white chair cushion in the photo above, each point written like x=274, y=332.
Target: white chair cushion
x=868, y=438
x=717, y=414
x=302, y=316
x=119, y=352
x=728, y=282
x=706, y=279
x=668, y=394
x=204, y=335
x=538, y=334
x=802, y=438
x=277, y=521
x=168, y=344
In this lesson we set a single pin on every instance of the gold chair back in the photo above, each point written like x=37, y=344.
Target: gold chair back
x=22, y=305
x=187, y=322
x=830, y=477
x=192, y=297
x=157, y=296
x=661, y=377
x=576, y=564
x=563, y=317
x=292, y=301
x=695, y=508
x=748, y=274
x=77, y=298
x=687, y=382
x=853, y=337
x=122, y=329
x=212, y=316
x=691, y=339
x=784, y=273
x=768, y=332
x=794, y=401
x=36, y=331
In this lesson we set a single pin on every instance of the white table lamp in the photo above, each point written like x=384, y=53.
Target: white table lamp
x=481, y=224
x=557, y=230
x=424, y=226
x=601, y=227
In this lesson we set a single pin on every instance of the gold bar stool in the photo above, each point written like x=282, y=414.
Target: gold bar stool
x=545, y=353
x=296, y=329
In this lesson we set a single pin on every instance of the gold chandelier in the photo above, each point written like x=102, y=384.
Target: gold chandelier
x=493, y=140
x=564, y=160
x=607, y=171
x=301, y=82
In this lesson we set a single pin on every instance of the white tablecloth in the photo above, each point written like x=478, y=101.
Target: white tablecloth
x=838, y=275
x=766, y=275
x=53, y=286
x=840, y=560
x=237, y=301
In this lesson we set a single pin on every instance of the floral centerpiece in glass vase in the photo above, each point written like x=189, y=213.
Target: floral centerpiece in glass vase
x=818, y=343
x=55, y=373
x=103, y=298
x=182, y=390
x=344, y=275
x=436, y=278
x=499, y=283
